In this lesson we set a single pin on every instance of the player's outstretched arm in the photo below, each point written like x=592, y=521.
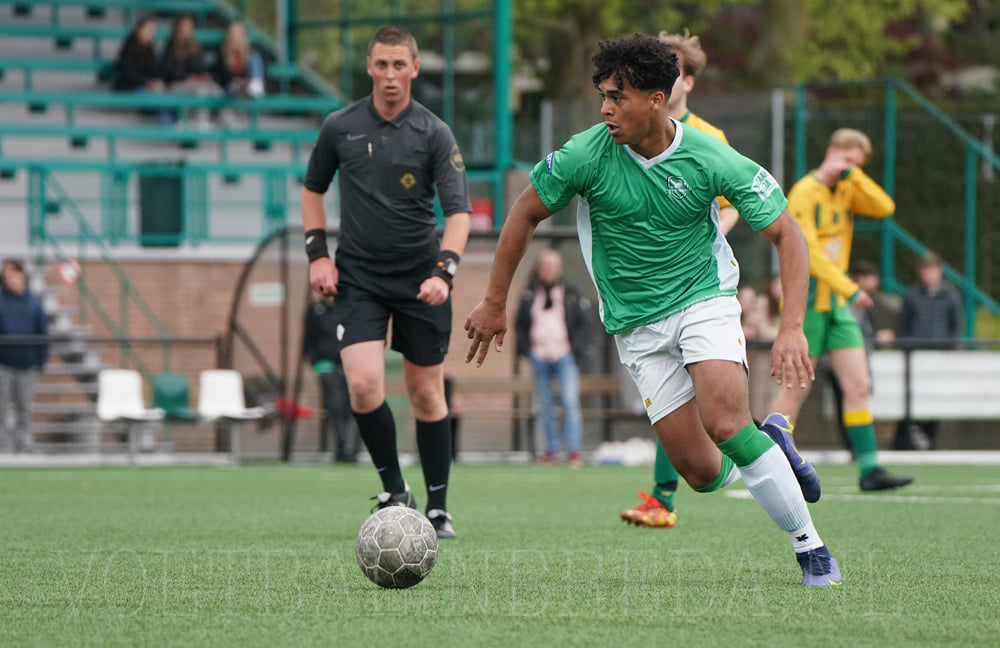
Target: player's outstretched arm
x=488, y=320
x=790, y=354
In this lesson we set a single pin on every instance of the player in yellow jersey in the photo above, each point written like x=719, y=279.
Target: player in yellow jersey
x=825, y=203
x=657, y=509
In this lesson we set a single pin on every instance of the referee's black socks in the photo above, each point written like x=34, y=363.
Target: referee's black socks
x=378, y=431
x=434, y=445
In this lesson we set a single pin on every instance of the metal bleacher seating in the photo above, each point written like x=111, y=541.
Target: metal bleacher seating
x=71, y=146
x=60, y=121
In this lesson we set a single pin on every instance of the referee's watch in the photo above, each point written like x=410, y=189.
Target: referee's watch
x=447, y=266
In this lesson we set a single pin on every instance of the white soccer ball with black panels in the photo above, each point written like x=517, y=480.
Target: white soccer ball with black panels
x=396, y=547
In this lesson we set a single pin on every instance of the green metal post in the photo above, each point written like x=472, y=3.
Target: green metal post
x=968, y=286
x=291, y=31
x=503, y=35
x=888, y=226
x=800, y=131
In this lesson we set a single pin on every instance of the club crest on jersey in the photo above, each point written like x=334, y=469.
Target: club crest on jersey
x=407, y=180
x=457, y=161
x=763, y=184
x=677, y=187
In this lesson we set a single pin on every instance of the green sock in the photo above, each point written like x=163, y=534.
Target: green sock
x=865, y=447
x=743, y=449
x=665, y=476
x=746, y=446
x=724, y=472
x=862, y=435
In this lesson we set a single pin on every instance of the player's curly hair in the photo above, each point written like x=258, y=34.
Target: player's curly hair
x=644, y=61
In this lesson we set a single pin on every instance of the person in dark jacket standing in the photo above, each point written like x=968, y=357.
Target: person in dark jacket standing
x=552, y=325
x=931, y=318
x=932, y=310
x=320, y=347
x=21, y=313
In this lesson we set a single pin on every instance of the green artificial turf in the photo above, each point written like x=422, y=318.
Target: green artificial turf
x=263, y=555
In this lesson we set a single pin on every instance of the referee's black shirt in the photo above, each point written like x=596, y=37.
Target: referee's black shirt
x=388, y=170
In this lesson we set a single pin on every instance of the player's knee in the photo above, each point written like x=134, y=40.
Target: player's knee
x=722, y=429
x=428, y=403
x=366, y=394
x=858, y=389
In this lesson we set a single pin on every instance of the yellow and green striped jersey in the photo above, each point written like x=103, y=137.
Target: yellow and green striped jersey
x=826, y=217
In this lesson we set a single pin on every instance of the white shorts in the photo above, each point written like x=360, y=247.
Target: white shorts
x=656, y=354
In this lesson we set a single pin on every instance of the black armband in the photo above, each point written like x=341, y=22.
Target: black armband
x=447, y=266
x=316, y=245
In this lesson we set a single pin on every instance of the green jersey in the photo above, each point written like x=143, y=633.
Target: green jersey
x=649, y=229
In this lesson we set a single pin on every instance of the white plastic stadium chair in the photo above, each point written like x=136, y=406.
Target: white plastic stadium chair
x=220, y=400
x=119, y=400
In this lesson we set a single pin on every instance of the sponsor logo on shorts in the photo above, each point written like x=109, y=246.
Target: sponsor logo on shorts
x=548, y=162
x=340, y=332
x=646, y=403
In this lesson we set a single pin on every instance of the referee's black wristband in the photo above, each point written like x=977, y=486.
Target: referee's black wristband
x=316, y=245
x=447, y=266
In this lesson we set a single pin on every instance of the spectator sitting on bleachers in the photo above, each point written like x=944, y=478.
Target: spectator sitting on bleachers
x=182, y=67
x=136, y=69
x=238, y=68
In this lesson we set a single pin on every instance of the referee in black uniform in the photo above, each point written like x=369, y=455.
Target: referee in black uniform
x=391, y=152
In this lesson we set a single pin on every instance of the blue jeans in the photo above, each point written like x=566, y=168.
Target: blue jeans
x=568, y=374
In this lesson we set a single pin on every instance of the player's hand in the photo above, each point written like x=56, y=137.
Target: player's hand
x=434, y=291
x=863, y=300
x=836, y=165
x=486, y=322
x=790, y=362
x=323, y=276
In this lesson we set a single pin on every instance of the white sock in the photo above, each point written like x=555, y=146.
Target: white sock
x=733, y=476
x=773, y=484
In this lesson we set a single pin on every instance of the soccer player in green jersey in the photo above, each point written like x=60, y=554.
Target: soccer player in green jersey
x=657, y=509
x=666, y=281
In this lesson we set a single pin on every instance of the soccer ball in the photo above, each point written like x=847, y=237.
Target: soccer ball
x=396, y=547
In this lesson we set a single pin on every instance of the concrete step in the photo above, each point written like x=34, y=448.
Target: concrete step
x=76, y=428
x=76, y=368
x=88, y=388
x=78, y=409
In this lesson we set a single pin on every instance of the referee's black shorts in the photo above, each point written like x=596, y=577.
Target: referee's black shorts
x=364, y=306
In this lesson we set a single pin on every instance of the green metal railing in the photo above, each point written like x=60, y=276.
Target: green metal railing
x=46, y=194
x=109, y=213
x=889, y=231
x=273, y=206
x=80, y=136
